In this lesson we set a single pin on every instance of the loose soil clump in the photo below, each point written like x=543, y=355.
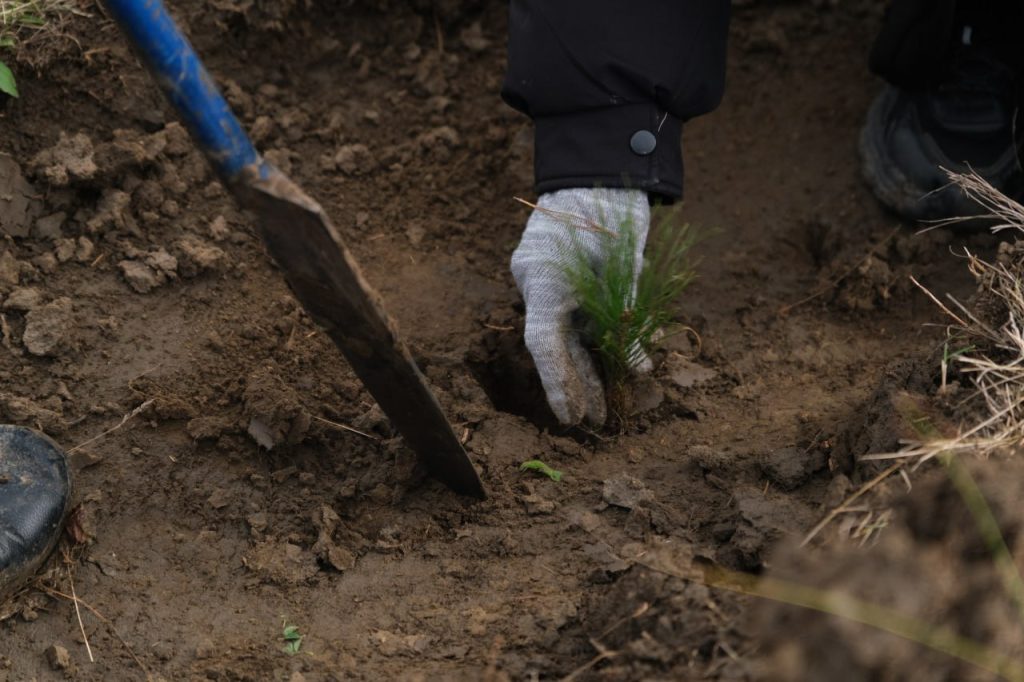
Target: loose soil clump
x=933, y=567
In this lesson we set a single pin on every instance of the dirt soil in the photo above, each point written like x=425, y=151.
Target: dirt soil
x=231, y=504
x=934, y=567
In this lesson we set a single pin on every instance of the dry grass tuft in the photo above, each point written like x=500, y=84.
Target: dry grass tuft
x=987, y=342
x=33, y=32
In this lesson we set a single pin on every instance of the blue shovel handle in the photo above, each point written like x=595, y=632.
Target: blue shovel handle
x=170, y=58
x=308, y=249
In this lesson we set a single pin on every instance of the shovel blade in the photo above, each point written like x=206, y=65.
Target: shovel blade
x=327, y=281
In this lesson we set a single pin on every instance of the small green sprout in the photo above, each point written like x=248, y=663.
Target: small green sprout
x=948, y=356
x=292, y=638
x=953, y=354
x=541, y=467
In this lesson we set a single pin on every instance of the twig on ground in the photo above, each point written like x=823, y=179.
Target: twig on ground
x=906, y=479
x=345, y=427
x=103, y=619
x=693, y=334
x=640, y=610
x=602, y=654
x=731, y=656
x=438, y=33
x=937, y=302
x=850, y=500
x=78, y=612
x=872, y=523
x=124, y=420
x=142, y=374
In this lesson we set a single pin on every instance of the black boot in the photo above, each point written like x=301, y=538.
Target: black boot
x=35, y=495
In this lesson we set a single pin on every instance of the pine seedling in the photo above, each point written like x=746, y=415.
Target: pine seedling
x=624, y=322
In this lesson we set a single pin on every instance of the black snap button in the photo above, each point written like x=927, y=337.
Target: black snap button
x=643, y=142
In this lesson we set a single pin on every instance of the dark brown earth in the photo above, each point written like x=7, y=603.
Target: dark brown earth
x=131, y=284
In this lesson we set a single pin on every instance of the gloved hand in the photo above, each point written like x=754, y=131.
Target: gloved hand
x=564, y=222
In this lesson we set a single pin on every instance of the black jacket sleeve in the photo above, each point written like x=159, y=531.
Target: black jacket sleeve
x=609, y=83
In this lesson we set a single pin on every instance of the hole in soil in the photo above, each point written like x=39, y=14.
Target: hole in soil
x=504, y=369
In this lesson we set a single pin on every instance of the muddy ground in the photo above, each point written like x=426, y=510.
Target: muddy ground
x=130, y=279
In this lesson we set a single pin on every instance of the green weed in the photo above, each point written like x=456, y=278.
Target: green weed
x=542, y=468
x=949, y=355
x=292, y=638
x=8, y=85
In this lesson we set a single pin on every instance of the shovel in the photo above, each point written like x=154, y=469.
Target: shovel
x=306, y=246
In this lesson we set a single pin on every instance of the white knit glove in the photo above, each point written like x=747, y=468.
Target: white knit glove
x=562, y=224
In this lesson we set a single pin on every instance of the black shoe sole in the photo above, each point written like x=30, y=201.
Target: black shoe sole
x=35, y=497
x=905, y=196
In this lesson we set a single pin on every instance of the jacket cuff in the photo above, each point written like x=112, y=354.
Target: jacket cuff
x=630, y=145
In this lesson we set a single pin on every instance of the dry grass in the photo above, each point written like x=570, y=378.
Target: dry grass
x=33, y=32
x=985, y=344
x=990, y=334
x=992, y=354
